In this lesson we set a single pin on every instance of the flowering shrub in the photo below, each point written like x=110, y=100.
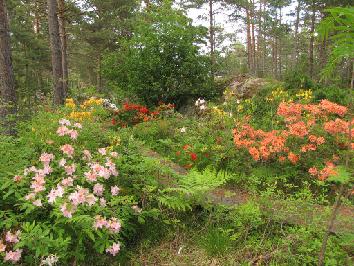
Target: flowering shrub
x=308, y=132
x=190, y=156
x=132, y=114
x=67, y=203
x=84, y=111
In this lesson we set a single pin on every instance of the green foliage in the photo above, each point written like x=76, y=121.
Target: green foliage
x=334, y=94
x=295, y=80
x=215, y=242
x=191, y=189
x=161, y=61
x=338, y=27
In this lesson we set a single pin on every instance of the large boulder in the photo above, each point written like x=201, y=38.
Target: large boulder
x=245, y=86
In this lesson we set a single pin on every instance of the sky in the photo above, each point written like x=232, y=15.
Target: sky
x=222, y=18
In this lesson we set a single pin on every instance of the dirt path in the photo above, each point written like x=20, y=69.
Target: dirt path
x=287, y=212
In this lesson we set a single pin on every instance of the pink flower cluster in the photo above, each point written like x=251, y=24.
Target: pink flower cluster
x=64, y=129
x=98, y=170
x=10, y=255
x=71, y=188
x=113, y=224
x=38, y=180
x=327, y=171
x=114, y=249
x=82, y=196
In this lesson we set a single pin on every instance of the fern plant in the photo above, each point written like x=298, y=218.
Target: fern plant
x=191, y=189
x=338, y=27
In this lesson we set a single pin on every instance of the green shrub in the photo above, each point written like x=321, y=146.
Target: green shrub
x=161, y=60
x=297, y=80
x=215, y=242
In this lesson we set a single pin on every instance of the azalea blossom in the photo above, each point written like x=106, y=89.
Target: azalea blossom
x=100, y=222
x=38, y=203
x=51, y=260
x=104, y=172
x=64, y=122
x=66, y=182
x=78, y=125
x=114, y=154
x=2, y=246
x=66, y=210
x=13, y=256
x=73, y=134
x=68, y=150
x=90, y=199
x=103, y=202
x=70, y=169
x=114, y=249
x=115, y=190
x=54, y=193
x=90, y=176
x=87, y=155
x=98, y=189
x=114, y=225
x=79, y=196
x=62, y=162
x=62, y=131
x=17, y=178
x=102, y=151
x=46, y=158
x=12, y=238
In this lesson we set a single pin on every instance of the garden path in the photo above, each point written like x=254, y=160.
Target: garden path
x=284, y=211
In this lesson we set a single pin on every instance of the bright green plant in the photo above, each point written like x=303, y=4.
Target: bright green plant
x=338, y=27
x=161, y=60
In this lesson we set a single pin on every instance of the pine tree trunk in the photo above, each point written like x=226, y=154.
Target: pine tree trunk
x=296, y=35
x=63, y=38
x=253, y=39
x=99, y=76
x=55, y=45
x=7, y=80
x=212, y=39
x=36, y=22
x=280, y=47
x=259, y=36
x=249, y=40
x=312, y=40
x=264, y=40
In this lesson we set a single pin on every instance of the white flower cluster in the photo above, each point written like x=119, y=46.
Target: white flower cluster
x=107, y=104
x=200, y=104
x=50, y=260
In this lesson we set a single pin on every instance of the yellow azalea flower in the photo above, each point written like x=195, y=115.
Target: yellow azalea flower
x=69, y=102
x=80, y=115
x=92, y=102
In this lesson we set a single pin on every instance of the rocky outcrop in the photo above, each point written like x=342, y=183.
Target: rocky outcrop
x=244, y=86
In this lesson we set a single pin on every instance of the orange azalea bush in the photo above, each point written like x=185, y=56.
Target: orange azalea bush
x=309, y=134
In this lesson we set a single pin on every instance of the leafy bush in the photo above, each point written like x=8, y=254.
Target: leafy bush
x=298, y=80
x=215, y=242
x=82, y=212
x=333, y=94
x=161, y=60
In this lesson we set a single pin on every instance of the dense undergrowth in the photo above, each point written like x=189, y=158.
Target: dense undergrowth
x=79, y=181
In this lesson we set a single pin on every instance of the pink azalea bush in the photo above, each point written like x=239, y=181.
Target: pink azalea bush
x=72, y=194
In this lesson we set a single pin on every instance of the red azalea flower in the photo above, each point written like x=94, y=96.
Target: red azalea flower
x=114, y=121
x=178, y=153
x=126, y=106
x=186, y=147
x=144, y=110
x=193, y=156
